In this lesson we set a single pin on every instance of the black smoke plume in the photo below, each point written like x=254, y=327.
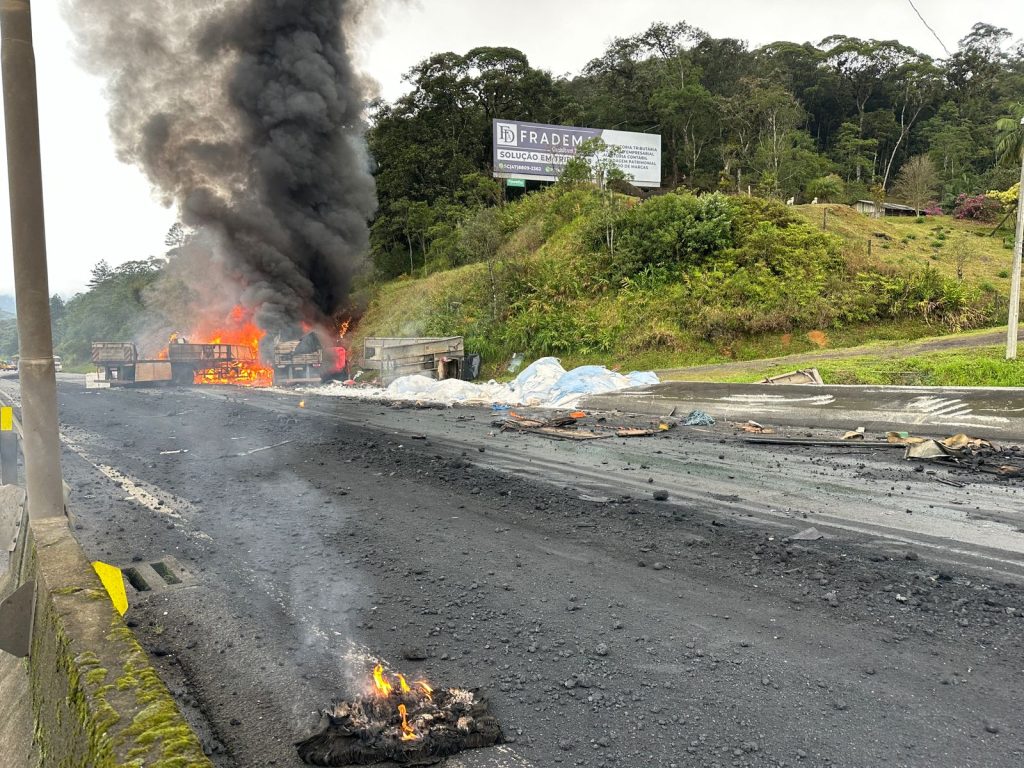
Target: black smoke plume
x=248, y=116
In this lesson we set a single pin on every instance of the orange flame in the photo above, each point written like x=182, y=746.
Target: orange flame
x=408, y=734
x=425, y=688
x=238, y=329
x=402, y=685
x=384, y=688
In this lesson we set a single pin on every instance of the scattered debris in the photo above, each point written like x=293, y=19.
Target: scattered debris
x=570, y=428
x=255, y=450
x=634, y=432
x=809, y=376
x=809, y=534
x=856, y=434
x=971, y=453
x=698, y=419
x=755, y=428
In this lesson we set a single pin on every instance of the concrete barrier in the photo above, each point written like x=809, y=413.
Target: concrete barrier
x=96, y=701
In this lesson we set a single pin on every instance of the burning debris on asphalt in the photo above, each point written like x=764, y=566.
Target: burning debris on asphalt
x=409, y=723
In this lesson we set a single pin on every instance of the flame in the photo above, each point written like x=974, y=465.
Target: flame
x=240, y=330
x=402, y=685
x=425, y=688
x=384, y=688
x=302, y=403
x=408, y=734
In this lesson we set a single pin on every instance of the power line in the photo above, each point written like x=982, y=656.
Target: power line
x=928, y=26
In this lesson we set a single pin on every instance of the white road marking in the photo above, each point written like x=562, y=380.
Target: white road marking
x=778, y=399
x=132, y=488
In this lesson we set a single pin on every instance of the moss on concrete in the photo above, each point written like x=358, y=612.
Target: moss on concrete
x=83, y=716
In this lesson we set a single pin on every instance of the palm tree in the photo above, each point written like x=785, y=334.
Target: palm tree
x=1010, y=146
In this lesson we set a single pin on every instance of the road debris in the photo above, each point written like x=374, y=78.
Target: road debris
x=809, y=376
x=856, y=434
x=756, y=428
x=808, y=534
x=970, y=453
x=254, y=450
x=698, y=419
x=571, y=427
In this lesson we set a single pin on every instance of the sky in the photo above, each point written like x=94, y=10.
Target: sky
x=98, y=208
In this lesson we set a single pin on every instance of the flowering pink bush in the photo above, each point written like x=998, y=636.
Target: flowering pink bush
x=933, y=209
x=976, y=207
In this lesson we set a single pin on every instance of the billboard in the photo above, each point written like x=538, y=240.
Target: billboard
x=540, y=152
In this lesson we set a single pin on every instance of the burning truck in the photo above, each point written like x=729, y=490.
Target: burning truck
x=231, y=358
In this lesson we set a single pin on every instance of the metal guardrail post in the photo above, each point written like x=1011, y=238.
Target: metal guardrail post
x=38, y=379
x=8, y=447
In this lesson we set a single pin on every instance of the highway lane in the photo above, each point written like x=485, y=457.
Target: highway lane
x=362, y=531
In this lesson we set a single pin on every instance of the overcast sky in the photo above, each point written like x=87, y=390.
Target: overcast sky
x=97, y=208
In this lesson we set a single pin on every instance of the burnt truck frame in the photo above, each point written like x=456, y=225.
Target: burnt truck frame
x=121, y=365
x=307, y=361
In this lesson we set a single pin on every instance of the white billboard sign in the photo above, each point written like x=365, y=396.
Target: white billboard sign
x=540, y=152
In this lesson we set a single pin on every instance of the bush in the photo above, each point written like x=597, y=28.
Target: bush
x=827, y=189
x=976, y=208
x=673, y=229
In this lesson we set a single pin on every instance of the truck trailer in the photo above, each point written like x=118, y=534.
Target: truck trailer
x=119, y=363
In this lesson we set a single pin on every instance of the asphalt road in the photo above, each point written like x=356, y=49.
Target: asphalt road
x=607, y=628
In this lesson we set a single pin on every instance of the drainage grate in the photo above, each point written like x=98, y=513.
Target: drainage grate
x=165, y=572
x=157, y=575
x=136, y=580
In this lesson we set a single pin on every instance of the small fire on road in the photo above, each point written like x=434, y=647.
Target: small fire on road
x=403, y=722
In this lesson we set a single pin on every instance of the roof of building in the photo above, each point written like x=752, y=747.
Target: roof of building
x=890, y=206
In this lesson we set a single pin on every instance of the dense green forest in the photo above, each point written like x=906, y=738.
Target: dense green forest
x=837, y=121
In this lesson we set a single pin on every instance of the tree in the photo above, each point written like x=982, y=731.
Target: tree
x=595, y=163
x=827, y=189
x=56, y=308
x=1010, y=145
x=917, y=85
x=100, y=272
x=853, y=153
x=177, y=236
x=917, y=182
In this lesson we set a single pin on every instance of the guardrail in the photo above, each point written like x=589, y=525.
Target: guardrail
x=10, y=431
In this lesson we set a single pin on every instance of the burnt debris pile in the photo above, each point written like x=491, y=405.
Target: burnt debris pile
x=407, y=725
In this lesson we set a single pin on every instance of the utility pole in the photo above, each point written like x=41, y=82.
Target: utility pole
x=24, y=175
x=1011, y=330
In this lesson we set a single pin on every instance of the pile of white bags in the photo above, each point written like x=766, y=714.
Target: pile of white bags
x=544, y=383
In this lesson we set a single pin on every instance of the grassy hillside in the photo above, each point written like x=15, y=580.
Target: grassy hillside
x=906, y=243
x=693, y=280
